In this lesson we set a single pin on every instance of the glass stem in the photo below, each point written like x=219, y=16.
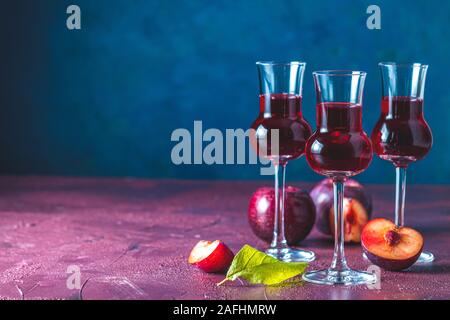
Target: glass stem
x=279, y=239
x=339, y=262
x=400, y=194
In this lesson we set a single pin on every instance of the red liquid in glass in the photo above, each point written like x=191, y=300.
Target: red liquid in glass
x=282, y=112
x=339, y=147
x=402, y=135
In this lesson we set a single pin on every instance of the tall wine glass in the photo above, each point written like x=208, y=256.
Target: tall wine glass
x=339, y=149
x=280, y=134
x=401, y=134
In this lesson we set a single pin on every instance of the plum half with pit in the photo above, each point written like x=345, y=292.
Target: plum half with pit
x=357, y=208
x=299, y=214
x=390, y=247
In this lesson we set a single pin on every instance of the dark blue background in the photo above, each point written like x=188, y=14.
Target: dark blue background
x=104, y=100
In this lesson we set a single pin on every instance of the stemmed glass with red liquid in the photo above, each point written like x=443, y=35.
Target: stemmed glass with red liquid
x=339, y=149
x=280, y=134
x=401, y=134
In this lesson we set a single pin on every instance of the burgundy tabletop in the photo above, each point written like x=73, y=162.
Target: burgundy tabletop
x=130, y=239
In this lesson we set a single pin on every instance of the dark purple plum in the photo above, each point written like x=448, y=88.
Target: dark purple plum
x=357, y=208
x=300, y=214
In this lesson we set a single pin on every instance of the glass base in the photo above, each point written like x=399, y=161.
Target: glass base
x=425, y=258
x=291, y=254
x=347, y=277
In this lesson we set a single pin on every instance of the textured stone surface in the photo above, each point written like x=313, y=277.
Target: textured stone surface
x=131, y=239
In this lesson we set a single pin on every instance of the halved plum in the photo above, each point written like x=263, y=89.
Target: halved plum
x=357, y=208
x=211, y=256
x=390, y=247
x=355, y=218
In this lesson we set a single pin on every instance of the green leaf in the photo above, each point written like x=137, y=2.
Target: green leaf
x=258, y=267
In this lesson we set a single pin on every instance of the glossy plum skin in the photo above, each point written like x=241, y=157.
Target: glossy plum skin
x=322, y=195
x=300, y=214
x=391, y=264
